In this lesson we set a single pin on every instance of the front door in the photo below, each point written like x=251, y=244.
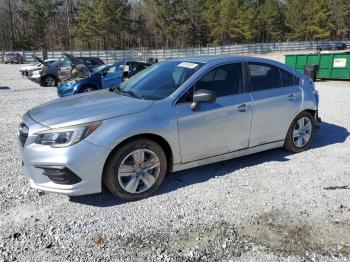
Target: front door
x=113, y=76
x=220, y=127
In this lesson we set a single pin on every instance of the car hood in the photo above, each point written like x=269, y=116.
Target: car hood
x=38, y=59
x=84, y=108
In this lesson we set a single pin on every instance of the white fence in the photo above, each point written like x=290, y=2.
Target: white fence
x=163, y=54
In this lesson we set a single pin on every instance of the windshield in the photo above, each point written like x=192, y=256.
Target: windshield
x=55, y=63
x=160, y=80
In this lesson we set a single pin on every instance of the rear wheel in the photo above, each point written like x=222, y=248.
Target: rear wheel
x=300, y=133
x=135, y=170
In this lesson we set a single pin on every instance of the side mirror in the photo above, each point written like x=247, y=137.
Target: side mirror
x=202, y=96
x=103, y=73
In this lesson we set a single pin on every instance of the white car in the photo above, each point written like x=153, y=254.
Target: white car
x=34, y=67
x=34, y=75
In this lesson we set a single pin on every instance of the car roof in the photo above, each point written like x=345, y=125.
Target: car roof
x=224, y=58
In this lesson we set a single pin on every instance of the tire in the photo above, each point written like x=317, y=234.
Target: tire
x=127, y=182
x=49, y=81
x=87, y=89
x=300, y=133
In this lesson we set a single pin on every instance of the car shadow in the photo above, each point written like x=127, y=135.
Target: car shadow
x=4, y=88
x=327, y=135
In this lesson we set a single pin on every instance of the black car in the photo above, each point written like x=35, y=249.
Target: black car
x=49, y=74
x=332, y=47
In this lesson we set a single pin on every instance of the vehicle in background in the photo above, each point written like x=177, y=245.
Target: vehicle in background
x=73, y=64
x=153, y=60
x=34, y=67
x=48, y=75
x=331, y=47
x=105, y=76
x=341, y=46
x=172, y=116
x=13, y=58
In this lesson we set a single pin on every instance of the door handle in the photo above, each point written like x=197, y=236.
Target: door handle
x=292, y=97
x=244, y=108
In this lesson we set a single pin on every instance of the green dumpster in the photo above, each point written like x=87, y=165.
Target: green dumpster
x=331, y=65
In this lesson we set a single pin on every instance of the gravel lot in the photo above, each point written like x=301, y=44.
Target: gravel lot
x=272, y=206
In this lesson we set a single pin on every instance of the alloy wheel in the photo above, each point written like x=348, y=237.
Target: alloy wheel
x=139, y=171
x=50, y=81
x=302, y=132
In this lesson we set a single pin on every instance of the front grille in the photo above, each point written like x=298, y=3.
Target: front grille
x=23, y=133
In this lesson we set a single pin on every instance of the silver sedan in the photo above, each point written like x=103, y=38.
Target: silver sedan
x=172, y=116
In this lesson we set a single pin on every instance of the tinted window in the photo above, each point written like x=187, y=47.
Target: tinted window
x=288, y=79
x=264, y=76
x=140, y=67
x=224, y=80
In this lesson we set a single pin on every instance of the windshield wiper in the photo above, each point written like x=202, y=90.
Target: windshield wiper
x=129, y=92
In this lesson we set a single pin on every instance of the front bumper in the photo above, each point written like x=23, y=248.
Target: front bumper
x=66, y=90
x=85, y=160
x=35, y=78
x=318, y=120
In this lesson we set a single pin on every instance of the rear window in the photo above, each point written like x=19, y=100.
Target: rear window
x=264, y=76
x=288, y=79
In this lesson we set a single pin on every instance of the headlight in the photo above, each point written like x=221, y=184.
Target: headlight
x=67, y=136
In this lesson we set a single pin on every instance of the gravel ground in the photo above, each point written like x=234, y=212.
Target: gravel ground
x=272, y=206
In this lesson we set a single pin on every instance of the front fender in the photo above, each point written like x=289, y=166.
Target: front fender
x=153, y=121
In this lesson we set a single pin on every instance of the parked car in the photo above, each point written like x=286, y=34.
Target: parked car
x=74, y=64
x=26, y=70
x=331, y=47
x=48, y=75
x=105, y=76
x=13, y=58
x=172, y=116
x=340, y=46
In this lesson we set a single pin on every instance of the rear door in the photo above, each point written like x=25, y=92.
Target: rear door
x=277, y=97
x=220, y=127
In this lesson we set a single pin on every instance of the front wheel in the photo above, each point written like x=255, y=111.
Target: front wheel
x=300, y=133
x=135, y=170
x=87, y=89
x=49, y=81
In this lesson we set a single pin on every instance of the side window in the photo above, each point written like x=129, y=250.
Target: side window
x=288, y=79
x=111, y=70
x=88, y=62
x=296, y=80
x=264, y=76
x=66, y=63
x=224, y=81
